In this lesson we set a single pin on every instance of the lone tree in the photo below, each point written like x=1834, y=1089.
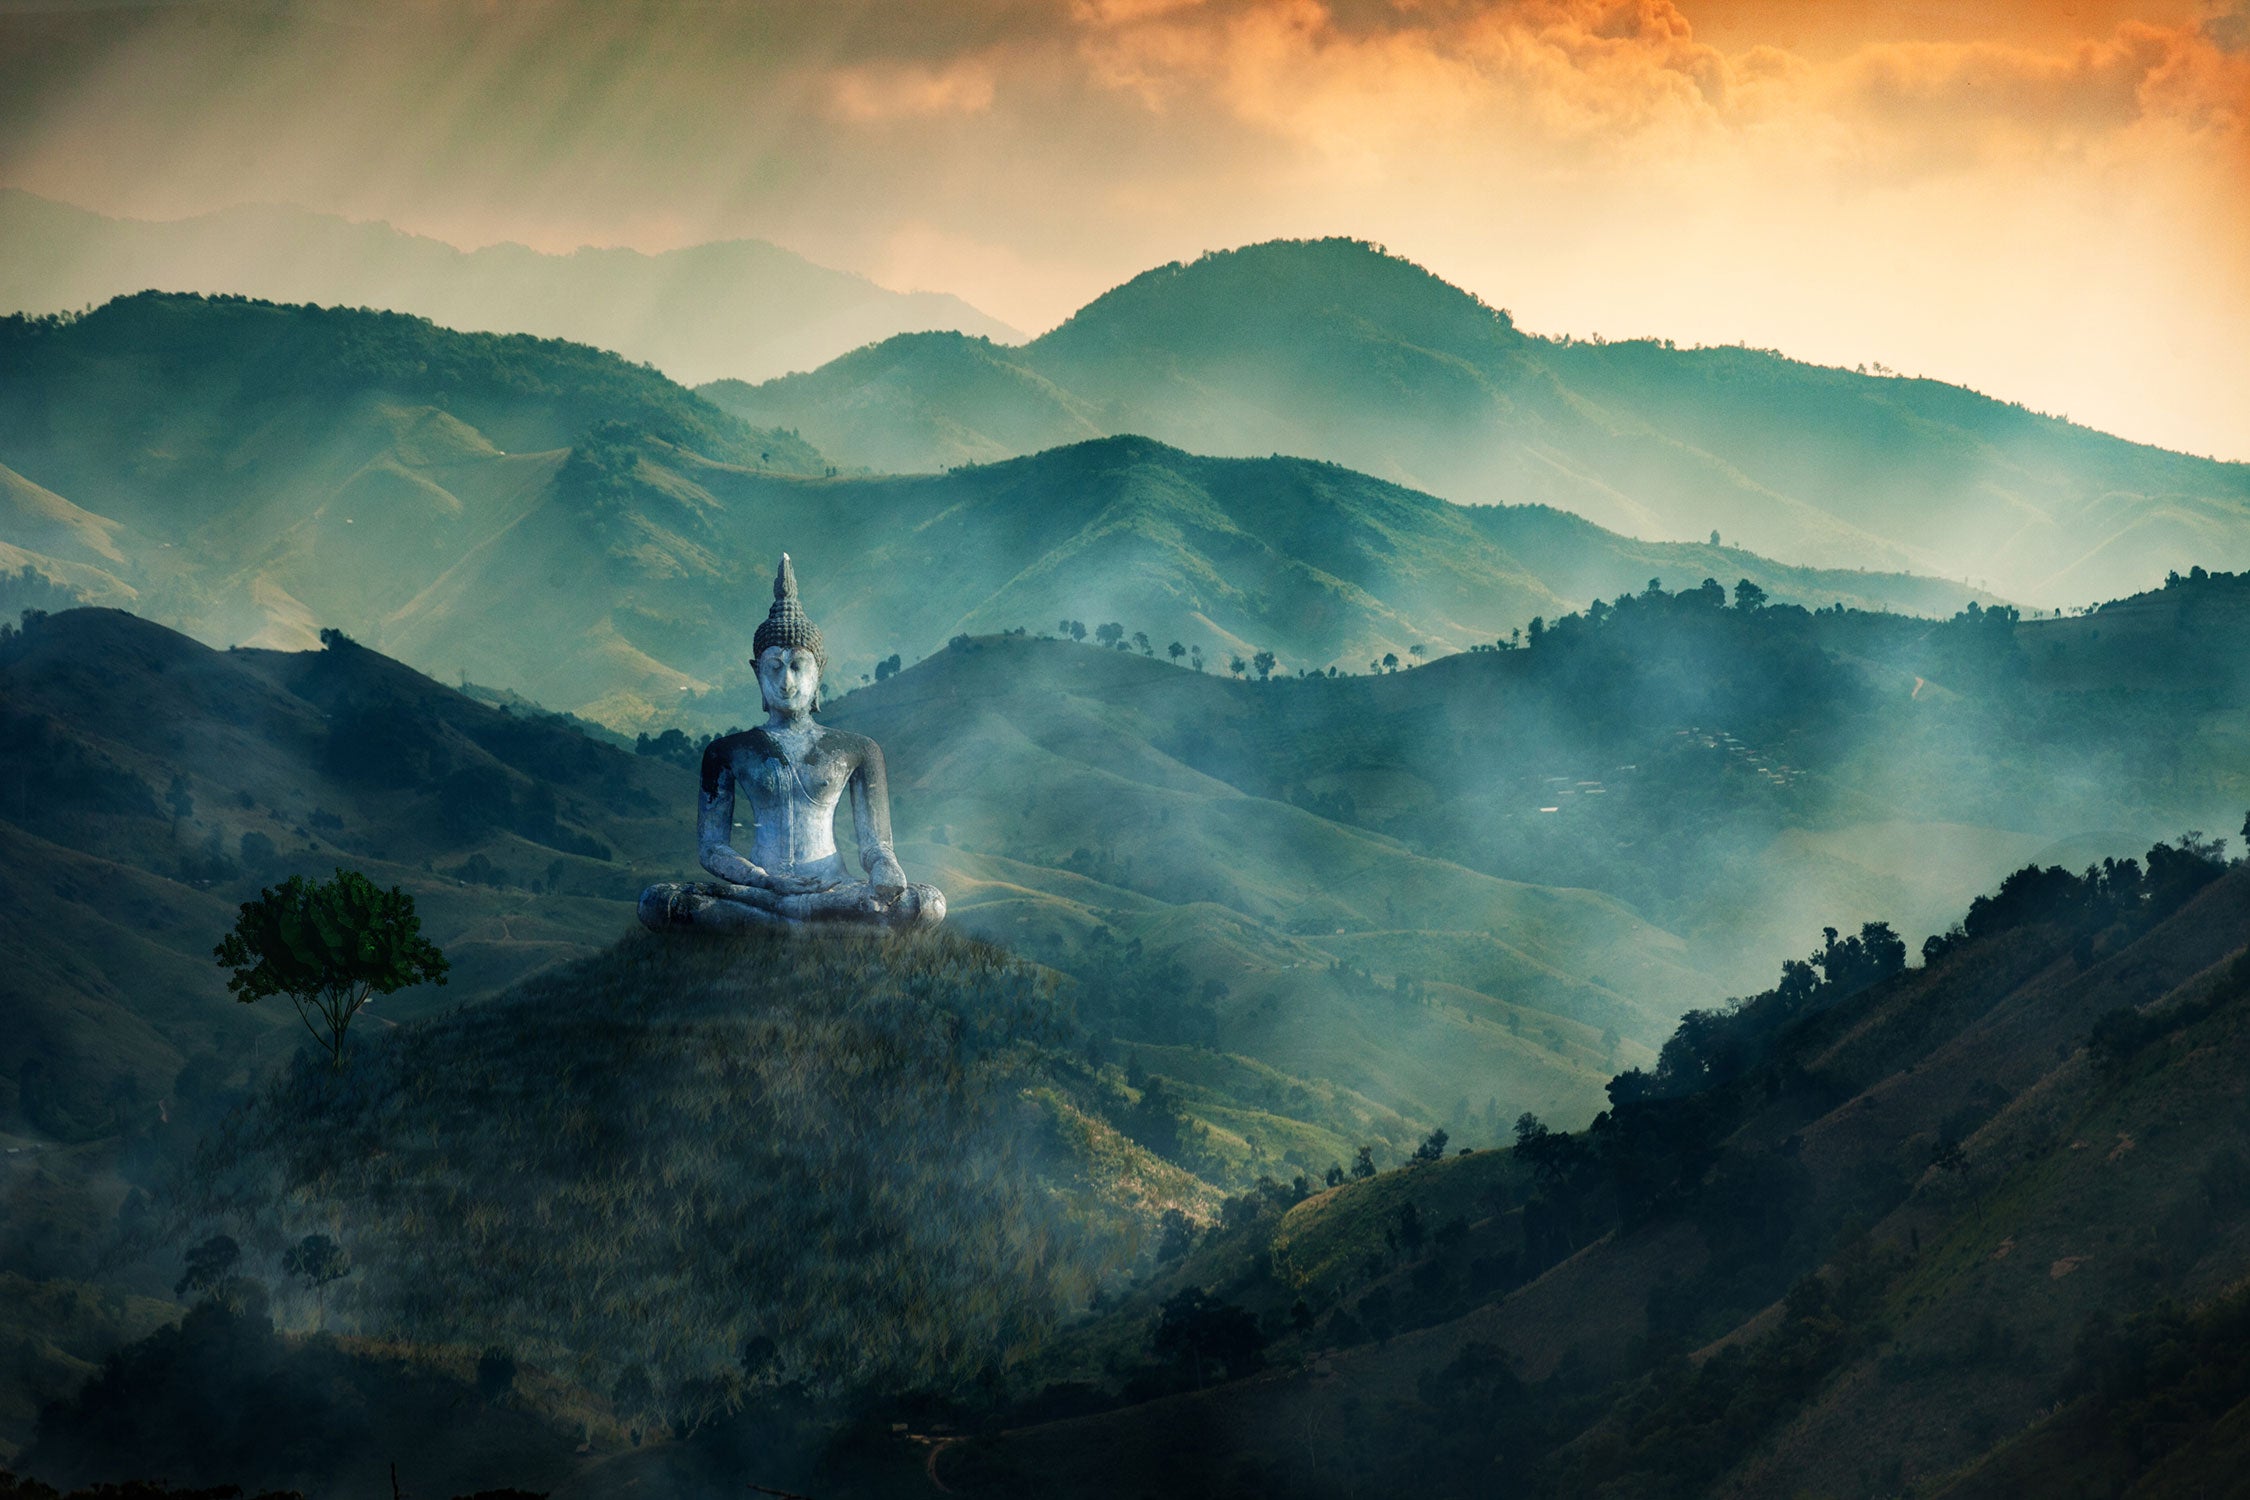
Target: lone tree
x=208, y=1264
x=330, y=948
x=317, y=1260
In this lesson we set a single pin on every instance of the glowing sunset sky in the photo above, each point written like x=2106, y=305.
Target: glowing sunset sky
x=2050, y=202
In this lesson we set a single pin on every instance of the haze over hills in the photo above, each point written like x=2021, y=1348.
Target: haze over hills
x=1902, y=1193
x=252, y=473
x=1295, y=916
x=741, y=308
x=1335, y=350
x=1416, y=885
x=1871, y=1227
x=156, y=780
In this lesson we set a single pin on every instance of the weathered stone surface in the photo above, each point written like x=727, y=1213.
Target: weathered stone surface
x=792, y=771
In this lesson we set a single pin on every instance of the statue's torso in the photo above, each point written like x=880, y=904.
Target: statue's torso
x=792, y=796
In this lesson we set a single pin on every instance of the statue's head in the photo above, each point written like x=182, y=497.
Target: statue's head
x=789, y=679
x=790, y=656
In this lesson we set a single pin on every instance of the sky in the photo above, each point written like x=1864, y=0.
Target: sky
x=2048, y=202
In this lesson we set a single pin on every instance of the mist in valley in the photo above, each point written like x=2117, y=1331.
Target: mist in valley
x=1524, y=912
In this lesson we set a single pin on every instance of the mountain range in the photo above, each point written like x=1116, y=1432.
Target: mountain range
x=743, y=308
x=253, y=473
x=1333, y=349
x=1279, y=922
x=154, y=780
x=1978, y=1222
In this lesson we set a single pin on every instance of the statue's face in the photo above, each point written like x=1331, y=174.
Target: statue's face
x=789, y=678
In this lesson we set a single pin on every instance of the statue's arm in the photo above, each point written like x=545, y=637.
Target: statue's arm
x=714, y=830
x=871, y=820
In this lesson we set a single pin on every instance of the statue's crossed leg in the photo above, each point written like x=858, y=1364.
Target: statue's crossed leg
x=720, y=906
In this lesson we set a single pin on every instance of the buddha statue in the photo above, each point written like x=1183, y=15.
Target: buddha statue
x=793, y=771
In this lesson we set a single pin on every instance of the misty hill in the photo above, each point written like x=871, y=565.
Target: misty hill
x=1274, y=956
x=879, y=1157
x=153, y=783
x=742, y=308
x=253, y=473
x=156, y=782
x=1738, y=772
x=1983, y=1221
x=1519, y=851
x=1332, y=349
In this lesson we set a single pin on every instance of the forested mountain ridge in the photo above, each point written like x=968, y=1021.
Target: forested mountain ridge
x=743, y=308
x=1977, y=1227
x=1332, y=349
x=253, y=473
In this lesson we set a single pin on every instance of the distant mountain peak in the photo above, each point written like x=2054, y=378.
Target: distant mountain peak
x=1291, y=279
x=741, y=307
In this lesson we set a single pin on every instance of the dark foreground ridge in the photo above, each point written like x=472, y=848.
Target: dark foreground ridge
x=842, y=1214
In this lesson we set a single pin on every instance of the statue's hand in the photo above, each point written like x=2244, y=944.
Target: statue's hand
x=733, y=868
x=888, y=880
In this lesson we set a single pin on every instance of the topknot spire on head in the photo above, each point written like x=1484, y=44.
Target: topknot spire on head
x=787, y=624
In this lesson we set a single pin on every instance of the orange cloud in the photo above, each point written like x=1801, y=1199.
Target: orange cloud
x=1607, y=73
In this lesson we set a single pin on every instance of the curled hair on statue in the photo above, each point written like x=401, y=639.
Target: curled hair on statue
x=786, y=623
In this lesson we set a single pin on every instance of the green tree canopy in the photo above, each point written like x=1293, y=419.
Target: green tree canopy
x=330, y=948
x=208, y=1264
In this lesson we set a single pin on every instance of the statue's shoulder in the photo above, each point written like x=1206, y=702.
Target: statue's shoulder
x=844, y=742
x=721, y=753
x=727, y=746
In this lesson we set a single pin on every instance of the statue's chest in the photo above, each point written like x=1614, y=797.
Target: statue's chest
x=818, y=778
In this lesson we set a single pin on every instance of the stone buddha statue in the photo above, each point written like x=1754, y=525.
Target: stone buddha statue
x=793, y=771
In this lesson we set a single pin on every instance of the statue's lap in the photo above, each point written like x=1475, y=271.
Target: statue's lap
x=710, y=906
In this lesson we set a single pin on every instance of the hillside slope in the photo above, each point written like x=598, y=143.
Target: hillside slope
x=254, y=473
x=742, y=308
x=158, y=782
x=1334, y=350
x=885, y=1166
x=1847, y=1238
